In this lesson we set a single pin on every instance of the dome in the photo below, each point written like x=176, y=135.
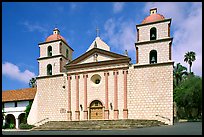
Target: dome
x=154, y=16
x=55, y=36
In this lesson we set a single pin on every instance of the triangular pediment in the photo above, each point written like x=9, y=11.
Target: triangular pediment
x=97, y=55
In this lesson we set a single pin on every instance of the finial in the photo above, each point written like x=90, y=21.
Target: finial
x=153, y=11
x=97, y=32
x=56, y=30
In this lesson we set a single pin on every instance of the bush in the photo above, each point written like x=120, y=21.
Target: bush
x=11, y=126
x=25, y=126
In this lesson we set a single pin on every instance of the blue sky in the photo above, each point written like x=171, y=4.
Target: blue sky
x=25, y=24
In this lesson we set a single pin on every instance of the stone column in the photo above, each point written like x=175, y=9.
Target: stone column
x=125, y=110
x=69, y=99
x=4, y=121
x=85, y=97
x=115, y=73
x=77, y=112
x=17, y=123
x=106, y=111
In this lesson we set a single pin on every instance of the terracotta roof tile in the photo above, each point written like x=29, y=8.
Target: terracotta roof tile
x=20, y=94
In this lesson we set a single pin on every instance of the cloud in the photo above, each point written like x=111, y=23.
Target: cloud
x=118, y=7
x=120, y=35
x=35, y=27
x=12, y=71
x=186, y=27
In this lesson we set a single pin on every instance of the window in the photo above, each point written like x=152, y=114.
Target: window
x=96, y=79
x=153, y=57
x=137, y=34
x=153, y=33
x=137, y=52
x=60, y=47
x=49, y=69
x=67, y=53
x=49, y=51
x=170, y=45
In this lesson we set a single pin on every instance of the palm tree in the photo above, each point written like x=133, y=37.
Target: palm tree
x=32, y=82
x=189, y=57
x=179, y=71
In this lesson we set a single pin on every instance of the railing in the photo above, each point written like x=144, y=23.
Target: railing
x=41, y=122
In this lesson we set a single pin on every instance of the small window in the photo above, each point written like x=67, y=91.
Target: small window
x=67, y=53
x=96, y=103
x=153, y=57
x=49, y=69
x=153, y=33
x=49, y=51
x=96, y=79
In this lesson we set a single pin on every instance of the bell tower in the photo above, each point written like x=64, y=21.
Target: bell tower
x=154, y=43
x=54, y=54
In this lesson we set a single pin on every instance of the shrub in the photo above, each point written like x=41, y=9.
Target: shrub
x=25, y=126
x=11, y=126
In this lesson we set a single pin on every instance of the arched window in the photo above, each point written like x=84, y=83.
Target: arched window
x=49, y=69
x=153, y=56
x=67, y=53
x=49, y=51
x=153, y=33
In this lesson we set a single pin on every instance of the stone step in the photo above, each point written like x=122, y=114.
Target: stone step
x=98, y=124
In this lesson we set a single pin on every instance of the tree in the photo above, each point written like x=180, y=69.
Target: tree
x=27, y=110
x=32, y=83
x=179, y=71
x=188, y=95
x=189, y=57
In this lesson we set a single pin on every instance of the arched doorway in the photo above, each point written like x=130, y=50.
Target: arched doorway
x=96, y=110
x=10, y=121
x=22, y=118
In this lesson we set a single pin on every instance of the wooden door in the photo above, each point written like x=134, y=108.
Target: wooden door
x=96, y=110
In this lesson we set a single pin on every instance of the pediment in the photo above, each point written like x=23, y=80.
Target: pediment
x=96, y=55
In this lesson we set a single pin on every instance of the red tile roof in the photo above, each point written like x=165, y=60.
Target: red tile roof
x=20, y=94
x=153, y=18
x=55, y=37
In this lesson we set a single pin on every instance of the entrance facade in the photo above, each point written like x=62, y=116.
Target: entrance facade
x=96, y=110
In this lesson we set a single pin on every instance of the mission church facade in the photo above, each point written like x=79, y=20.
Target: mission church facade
x=103, y=85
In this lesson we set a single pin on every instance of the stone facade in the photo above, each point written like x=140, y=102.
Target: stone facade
x=107, y=86
x=151, y=97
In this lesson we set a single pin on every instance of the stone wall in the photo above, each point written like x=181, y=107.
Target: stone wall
x=50, y=100
x=150, y=92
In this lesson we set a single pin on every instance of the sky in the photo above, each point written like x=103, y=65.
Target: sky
x=26, y=24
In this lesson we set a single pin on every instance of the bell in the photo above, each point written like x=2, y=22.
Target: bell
x=153, y=60
x=153, y=36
